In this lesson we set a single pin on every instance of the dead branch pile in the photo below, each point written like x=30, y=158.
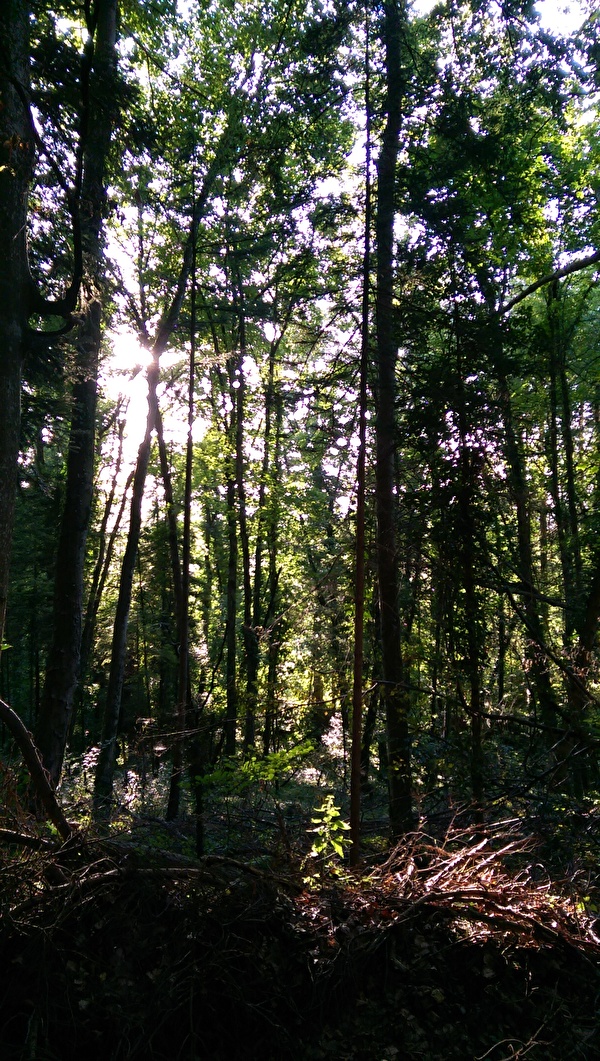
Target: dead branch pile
x=446, y=950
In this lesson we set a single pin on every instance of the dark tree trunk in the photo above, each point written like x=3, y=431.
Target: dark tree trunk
x=100, y=574
x=249, y=629
x=537, y=662
x=394, y=694
x=274, y=628
x=62, y=671
x=231, y=626
x=15, y=173
x=183, y=707
x=360, y=752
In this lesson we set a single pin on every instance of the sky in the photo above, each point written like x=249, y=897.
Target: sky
x=557, y=15
x=561, y=17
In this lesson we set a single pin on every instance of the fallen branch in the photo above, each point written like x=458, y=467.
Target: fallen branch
x=39, y=777
x=38, y=843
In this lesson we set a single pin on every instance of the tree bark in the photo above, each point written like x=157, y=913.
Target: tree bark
x=183, y=705
x=231, y=633
x=394, y=694
x=274, y=628
x=62, y=672
x=16, y=159
x=358, y=755
x=250, y=639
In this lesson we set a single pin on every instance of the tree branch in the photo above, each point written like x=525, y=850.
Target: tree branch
x=566, y=270
x=64, y=306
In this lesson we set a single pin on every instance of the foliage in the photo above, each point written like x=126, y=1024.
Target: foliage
x=329, y=831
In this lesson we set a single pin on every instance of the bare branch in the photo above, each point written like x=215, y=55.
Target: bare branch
x=38, y=775
x=566, y=270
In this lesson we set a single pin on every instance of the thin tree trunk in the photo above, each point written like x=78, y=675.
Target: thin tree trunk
x=537, y=663
x=357, y=757
x=561, y=517
x=275, y=629
x=99, y=577
x=183, y=609
x=248, y=628
x=108, y=745
x=62, y=670
x=231, y=616
x=467, y=552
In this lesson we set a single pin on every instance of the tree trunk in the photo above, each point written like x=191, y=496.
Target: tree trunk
x=275, y=628
x=394, y=695
x=108, y=747
x=183, y=706
x=62, y=671
x=100, y=575
x=16, y=156
x=248, y=628
x=360, y=753
x=231, y=625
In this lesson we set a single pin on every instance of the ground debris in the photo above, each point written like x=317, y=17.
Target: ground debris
x=444, y=950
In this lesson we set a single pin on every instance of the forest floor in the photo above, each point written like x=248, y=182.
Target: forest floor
x=456, y=945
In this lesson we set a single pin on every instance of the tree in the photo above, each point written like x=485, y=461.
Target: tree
x=98, y=120
x=238, y=161
x=20, y=297
x=394, y=693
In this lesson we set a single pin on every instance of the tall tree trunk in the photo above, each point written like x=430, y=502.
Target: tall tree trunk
x=473, y=618
x=467, y=553
x=19, y=296
x=267, y=535
x=172, y=529
x=560, y=509
x=394, y=694
x=275, y=628
x=62, y=671
x=248, y=628
x=183, y=608
x=359, y=752
x=15, y=171
x=230, y=621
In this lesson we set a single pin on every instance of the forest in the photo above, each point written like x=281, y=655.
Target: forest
x=299, y=530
